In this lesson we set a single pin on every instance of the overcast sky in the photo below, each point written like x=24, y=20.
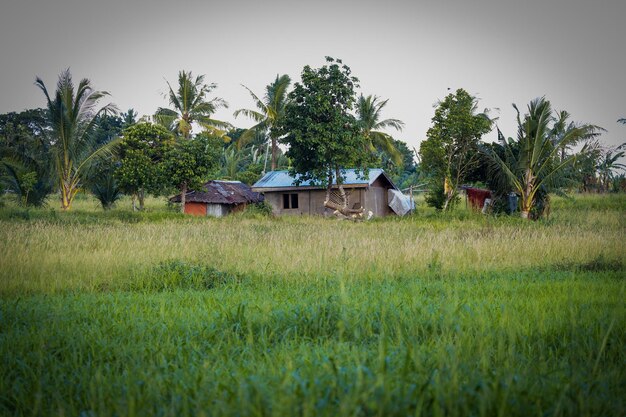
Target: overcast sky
x=410, y=52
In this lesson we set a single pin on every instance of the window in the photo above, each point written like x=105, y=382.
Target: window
x=290, y=201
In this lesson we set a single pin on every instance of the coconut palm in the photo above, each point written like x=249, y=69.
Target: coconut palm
x=532, y=163
x=73, y=115
x=270, y=110
x=608, y=164
x=368, y=111
x=191, y=104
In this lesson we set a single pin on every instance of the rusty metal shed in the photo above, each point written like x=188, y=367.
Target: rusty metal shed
x=218, y=198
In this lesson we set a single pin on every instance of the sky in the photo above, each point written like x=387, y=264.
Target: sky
x=413, y=53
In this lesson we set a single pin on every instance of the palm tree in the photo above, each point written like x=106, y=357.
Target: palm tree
x=191, y=104
x=270, y=110
x=532, y=163
x=73, y=115
x=369, y=110
x=608, y=163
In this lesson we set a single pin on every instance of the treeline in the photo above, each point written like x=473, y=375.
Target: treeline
x=75, y=143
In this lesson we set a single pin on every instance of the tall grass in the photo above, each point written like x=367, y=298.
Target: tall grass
x=431, y=315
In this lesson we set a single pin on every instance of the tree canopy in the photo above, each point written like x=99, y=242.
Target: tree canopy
x=323, y=135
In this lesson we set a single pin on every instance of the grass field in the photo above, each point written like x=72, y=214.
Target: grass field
x=122, y=314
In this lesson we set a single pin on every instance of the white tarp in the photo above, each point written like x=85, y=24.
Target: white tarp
x=400, y=203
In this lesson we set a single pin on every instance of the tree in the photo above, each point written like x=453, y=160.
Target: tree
x=532, y=163
x=271, y=110
x=368, y=110
x=73, y=117
x=188, y=163
x=608, y=164
x=25, y=162
x=322, y=134
x=450, y=151
x=141, y=152
x=191, y=104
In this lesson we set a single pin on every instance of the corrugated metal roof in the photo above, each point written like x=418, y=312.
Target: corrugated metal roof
x=222, y=192
x=282, y=179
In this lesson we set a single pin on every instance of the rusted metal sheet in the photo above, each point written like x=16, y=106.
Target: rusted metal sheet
x=222, y=192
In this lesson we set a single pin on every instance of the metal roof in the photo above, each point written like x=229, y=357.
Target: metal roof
x=222, y=192
x=282, y=179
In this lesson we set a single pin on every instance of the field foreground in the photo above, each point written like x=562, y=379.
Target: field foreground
x=157, y=314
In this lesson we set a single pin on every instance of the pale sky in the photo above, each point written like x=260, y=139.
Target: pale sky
x=410, y=52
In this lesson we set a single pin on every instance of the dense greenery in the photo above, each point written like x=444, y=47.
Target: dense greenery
x=271, y=110
x=323, y=135
x=450, y=152
x=532, y=164
x=436, y=314
x=72, y=117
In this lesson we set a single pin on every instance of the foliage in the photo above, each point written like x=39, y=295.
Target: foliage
x=322, y=134
x=450, y=151
x=178, y=316
x=104, y=185
x=532, y=164
x=73, y=117
x=270, y=111
x=368, y=110
x=141, y=153
x=188, y=163
x=25, y=161
x=191, y=104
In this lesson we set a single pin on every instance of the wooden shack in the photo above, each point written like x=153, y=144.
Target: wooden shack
x=218, y=198
x=369, y=191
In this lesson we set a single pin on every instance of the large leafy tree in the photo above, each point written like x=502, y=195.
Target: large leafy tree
x=191, y=104
x=188, y=163
x=142, y=151
x=450, y=151
x=532, y=163
x=269, y=111
x=323, y=135
x=368, y=110
x=73, y=114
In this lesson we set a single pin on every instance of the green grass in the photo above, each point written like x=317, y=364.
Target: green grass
x=159, y=314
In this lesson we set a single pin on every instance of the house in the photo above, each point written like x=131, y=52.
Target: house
x=218, y=198
x=370, y=192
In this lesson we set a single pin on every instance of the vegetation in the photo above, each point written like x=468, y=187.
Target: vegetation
x=533, y=162
x=450, y=152
x=191, y=105
x=271, y=111
x=323, y=135
x=188, y=163
x=72, y=114
x=152, y=312
x=162, y=314
x=368, y=110
x=142, y=152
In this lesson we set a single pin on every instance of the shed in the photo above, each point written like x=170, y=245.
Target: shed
x=218, y=198
x=368, y=191
x=477, y=197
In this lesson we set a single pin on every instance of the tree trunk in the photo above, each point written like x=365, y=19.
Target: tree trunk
x=141, y=197
x=68, y=192
x=183, y=196
x=340, y=210
x=134, y=197
x=274, y=154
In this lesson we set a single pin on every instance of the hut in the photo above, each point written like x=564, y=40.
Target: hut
x=477, y=197
x=218, y=198
x=369, y=191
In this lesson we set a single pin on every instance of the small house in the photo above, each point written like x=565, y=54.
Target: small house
x=369, y=191
x=218, y=198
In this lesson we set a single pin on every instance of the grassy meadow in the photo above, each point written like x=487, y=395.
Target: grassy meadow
x=156, y=313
